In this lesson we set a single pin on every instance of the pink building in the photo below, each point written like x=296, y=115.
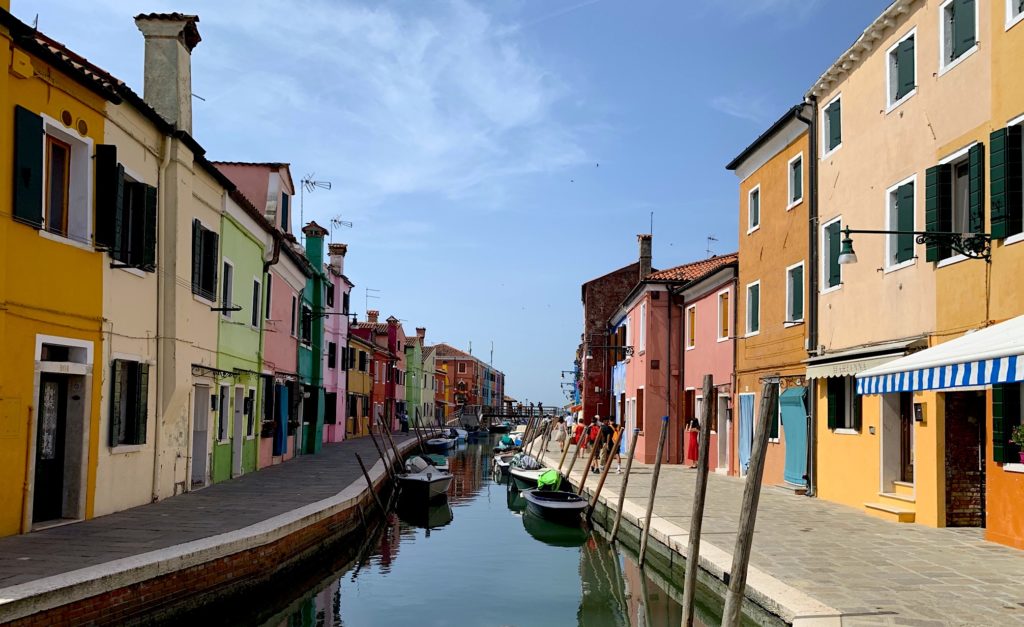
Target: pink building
x=267, y=185
x=708, y=337
x=336, y=354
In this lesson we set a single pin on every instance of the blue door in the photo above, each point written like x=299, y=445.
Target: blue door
x=794, y=425
x=281, y=428
x=746, y=430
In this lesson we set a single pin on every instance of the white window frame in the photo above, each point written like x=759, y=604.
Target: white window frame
x=80, y=185
x=890, y=103
x=956, y=156
x=787, y=321
x=255, y=414
x=294, y=315
x=750, y=194
x=825, y=152
x=746, y=309
x=825, y=287
x=945, y=66
x=229, y=285
x=691, y=339
x=1017, y=237
x=1012, y=20
x=890, y=240
x=643, y=326
x=257, y=298
x=789, y=181
x=728, y=320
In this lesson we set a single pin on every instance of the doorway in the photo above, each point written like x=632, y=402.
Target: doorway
x=51, y=436
x=238, y=428
x=724, y=434
x=965, y=458
x=201, y=436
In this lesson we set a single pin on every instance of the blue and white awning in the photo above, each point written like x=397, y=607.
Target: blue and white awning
x=989, y=356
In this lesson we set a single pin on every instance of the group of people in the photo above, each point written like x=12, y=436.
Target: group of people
x=588, y=435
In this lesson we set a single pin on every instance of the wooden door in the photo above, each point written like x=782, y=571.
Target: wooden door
x=48, y=489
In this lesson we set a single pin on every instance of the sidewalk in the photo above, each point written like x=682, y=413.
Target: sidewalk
x=218, y=509
x=872, y=571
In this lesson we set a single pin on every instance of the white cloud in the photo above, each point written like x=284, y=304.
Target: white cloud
x=752, y=109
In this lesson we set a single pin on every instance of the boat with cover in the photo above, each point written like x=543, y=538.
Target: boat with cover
x=555, y=505
x=439, y=445
x=502, y=427
x=501, y=463
x=424, y=481
x=437, y=461
x=525, y=471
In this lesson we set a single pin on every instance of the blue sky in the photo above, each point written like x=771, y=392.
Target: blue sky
x=492, y=155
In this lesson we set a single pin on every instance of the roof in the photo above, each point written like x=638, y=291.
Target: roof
x=445, y=350
x=360, y=340
x=377, y=327
x=428, y=351
x=791, y=114
x=694, y=270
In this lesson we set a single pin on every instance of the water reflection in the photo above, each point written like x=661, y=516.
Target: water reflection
x=553, y=534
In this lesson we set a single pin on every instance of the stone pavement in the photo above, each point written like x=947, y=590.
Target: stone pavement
x=874, y=571
x=217, y=509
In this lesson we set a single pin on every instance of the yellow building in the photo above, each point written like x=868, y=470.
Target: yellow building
x=51, y=305
x=360, y=386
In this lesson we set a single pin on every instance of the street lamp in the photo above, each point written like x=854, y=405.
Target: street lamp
x=972, y=245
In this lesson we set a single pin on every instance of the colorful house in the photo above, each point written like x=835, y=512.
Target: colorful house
x=429, y=406
x=770, y=306
x=335, y=316
x=415, y=379
x=311, y=344
x=360, y=385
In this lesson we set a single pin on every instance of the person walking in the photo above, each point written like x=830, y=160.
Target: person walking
x=692, y=428
x=558, y=433
x=608, y=435
x=592, y=433
x=618, y=445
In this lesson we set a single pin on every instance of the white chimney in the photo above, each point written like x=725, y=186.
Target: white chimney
x=170, y=38
x=337, y=254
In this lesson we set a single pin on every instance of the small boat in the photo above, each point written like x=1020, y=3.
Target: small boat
x=526, y=479
x=437, y=461
x=423, y=481
x=463, y=434
x=439, y=445
x=553, y=534
x=558, y=507
x=501, y=464
x=503, y=427
x=480, y=433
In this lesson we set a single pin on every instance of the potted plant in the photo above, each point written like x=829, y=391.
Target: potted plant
x=1017, y=437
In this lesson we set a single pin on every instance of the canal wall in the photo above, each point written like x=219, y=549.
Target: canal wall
x=180, y=579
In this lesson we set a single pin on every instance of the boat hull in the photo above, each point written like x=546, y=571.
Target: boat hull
x=565, y=512
x=525, y=479
x=433, y=489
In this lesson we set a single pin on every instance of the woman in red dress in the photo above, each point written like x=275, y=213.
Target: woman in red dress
x=692, y=427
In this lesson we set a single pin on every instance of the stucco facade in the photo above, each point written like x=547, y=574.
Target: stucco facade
x=336, y=308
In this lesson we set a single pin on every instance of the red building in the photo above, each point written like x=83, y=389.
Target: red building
x=388, y=370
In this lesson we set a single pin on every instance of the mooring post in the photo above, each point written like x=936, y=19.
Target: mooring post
x=369, y=483
x=398, y=454
x=697, y=517
x=384, y=458
x=565, y=451
x=590, y=461
x=654, y=490
x=748, y=509
x=572, y=461
x=604, y=474
x=625, y=483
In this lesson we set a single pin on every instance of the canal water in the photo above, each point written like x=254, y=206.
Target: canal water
x=481, y=560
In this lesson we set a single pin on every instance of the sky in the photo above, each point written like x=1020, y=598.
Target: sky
x=492, y=156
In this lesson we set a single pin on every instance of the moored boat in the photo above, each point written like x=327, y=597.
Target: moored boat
x=526, y=478
x=555, y=506
x=439, y=445
x=501, y=464
x=424, y=481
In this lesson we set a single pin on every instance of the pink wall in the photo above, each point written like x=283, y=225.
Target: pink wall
x=252, y=180
x=280, y=348
x=336, y=331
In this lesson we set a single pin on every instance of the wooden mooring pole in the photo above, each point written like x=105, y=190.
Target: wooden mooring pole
x=572, y=461
x=654, y=490
x=384, y=458
x=604, y=474
x=625, y=483
x=590, y=461
x=369, y=483
x=398, y=454
x=697, y=516
x=748, y=510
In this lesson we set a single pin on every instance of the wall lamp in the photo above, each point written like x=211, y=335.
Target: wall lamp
x=972, y=245
x=627, y=350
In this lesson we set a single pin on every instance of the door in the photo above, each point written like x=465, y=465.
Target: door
x=794, y=425
x=281, y=421
x=200, y=436
x=906, y=437
x=724, y=435
x=965, y=459
x=48, y=488
x=238, y=432
x=745, y=431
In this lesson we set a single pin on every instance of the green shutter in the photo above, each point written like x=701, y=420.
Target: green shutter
x=905, y=71
x=831, y=402
x=1000, y=435
x=797, y=180
x=905, y=222
x=755, y=308
x=133, y=235
x=122, y=207
x=142, y=408
x=938, y=200
x=964, y=36
x=834, y=269
x=835, y=124
x=1007, y=208
x=796, y=277
x=109, y=179
x=976, y=186
x=773, y=424
x=149, y=233
x=117, y=375
x=197, y=256
x=28, y=167
x=858, y=414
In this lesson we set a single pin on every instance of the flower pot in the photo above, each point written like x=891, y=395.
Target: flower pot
x=1021, y=453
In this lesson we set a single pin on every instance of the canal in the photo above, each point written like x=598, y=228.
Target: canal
x=479, y=560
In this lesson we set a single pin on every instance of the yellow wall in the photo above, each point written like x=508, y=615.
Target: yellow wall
x=46, y=287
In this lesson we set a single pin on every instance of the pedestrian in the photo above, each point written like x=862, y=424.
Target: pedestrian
x=559, y=432
x=618, y=445
x=608, y=433
x=404, y=419
x=692, y=428
x=577, y=437
x=593, y=431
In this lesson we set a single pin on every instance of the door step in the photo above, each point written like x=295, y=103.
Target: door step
x=789, y=488
x=892, y=513
x=896, y=496
x=903, y=487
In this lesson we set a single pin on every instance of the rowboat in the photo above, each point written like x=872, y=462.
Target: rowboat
x=558, y=507
x=423, y=481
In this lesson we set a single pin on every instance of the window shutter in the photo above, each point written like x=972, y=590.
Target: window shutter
x=976, y=185
x=831, y=401
x=858, y=414
x=834, y=269
x=797, y=290
x=1000, y=435
x=132, y=228
x=28, y=167
x=963, y=26
x=835, y=125
x=755, y=308
x=115, y=401
x=798, y=180
x=1005, y=179
x=197, y=256
x=142, y=408
x=905, y=222
x=108, y=194
x=937, y=206
x=149, y=236
x=905, y=79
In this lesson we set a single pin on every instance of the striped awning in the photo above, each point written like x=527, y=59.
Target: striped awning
x=989, y=356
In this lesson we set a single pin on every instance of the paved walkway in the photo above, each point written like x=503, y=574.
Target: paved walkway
x=873, y=571
x=217, y=509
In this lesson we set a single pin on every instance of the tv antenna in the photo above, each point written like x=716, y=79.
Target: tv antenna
x=337, y=222
x=369, y=296
x=711, y=238
x=310, y=184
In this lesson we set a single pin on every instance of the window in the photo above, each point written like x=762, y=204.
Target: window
x=344, y=302
x=902, y=70
x=832, y=127
x=462, y=368
x=691, y=327
x=959, y=31
x=223, y=414
x=250, y=413
x=844, y=405
x=1006, y=407
x=125, y=214
x=954, y=199
x=831, y=271
x=643, y=326
x=227, y=288
x=307, y=324
x=899, y=249
x=362, y=361
x=285, y=226
x=254, y=319
x=723, y=315
x=332, y=354
x=796, y=181
x=129, y=401
x=270, y=284
x=754, y=209
x=330, y=295
x=205, y=259
x=794, y=294
x=1007, y=173
x=754, y=308
x=294, y=317
x=58, y=172
x=330, y=408
x=1014, y=12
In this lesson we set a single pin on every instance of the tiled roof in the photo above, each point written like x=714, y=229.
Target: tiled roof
x=695, y=270
x=428, y=351
x=378, y=327
x=255, y=164
x=444, y=350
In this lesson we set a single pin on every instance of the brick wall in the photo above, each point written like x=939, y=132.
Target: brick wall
x=965, y=477
x=601, y=297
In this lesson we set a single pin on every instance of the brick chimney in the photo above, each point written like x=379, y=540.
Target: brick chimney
x=421, y=333
x=337, y=255
x=372, y=315
x=167, y=75
x=645, y=255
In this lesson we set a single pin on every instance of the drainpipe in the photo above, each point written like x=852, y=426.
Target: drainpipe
x=275, y=255
x=158, y=431
x=812, y=303
x=668, y=370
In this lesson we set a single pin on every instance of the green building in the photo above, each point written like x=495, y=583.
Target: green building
x=311, y=344
x=414, y=379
